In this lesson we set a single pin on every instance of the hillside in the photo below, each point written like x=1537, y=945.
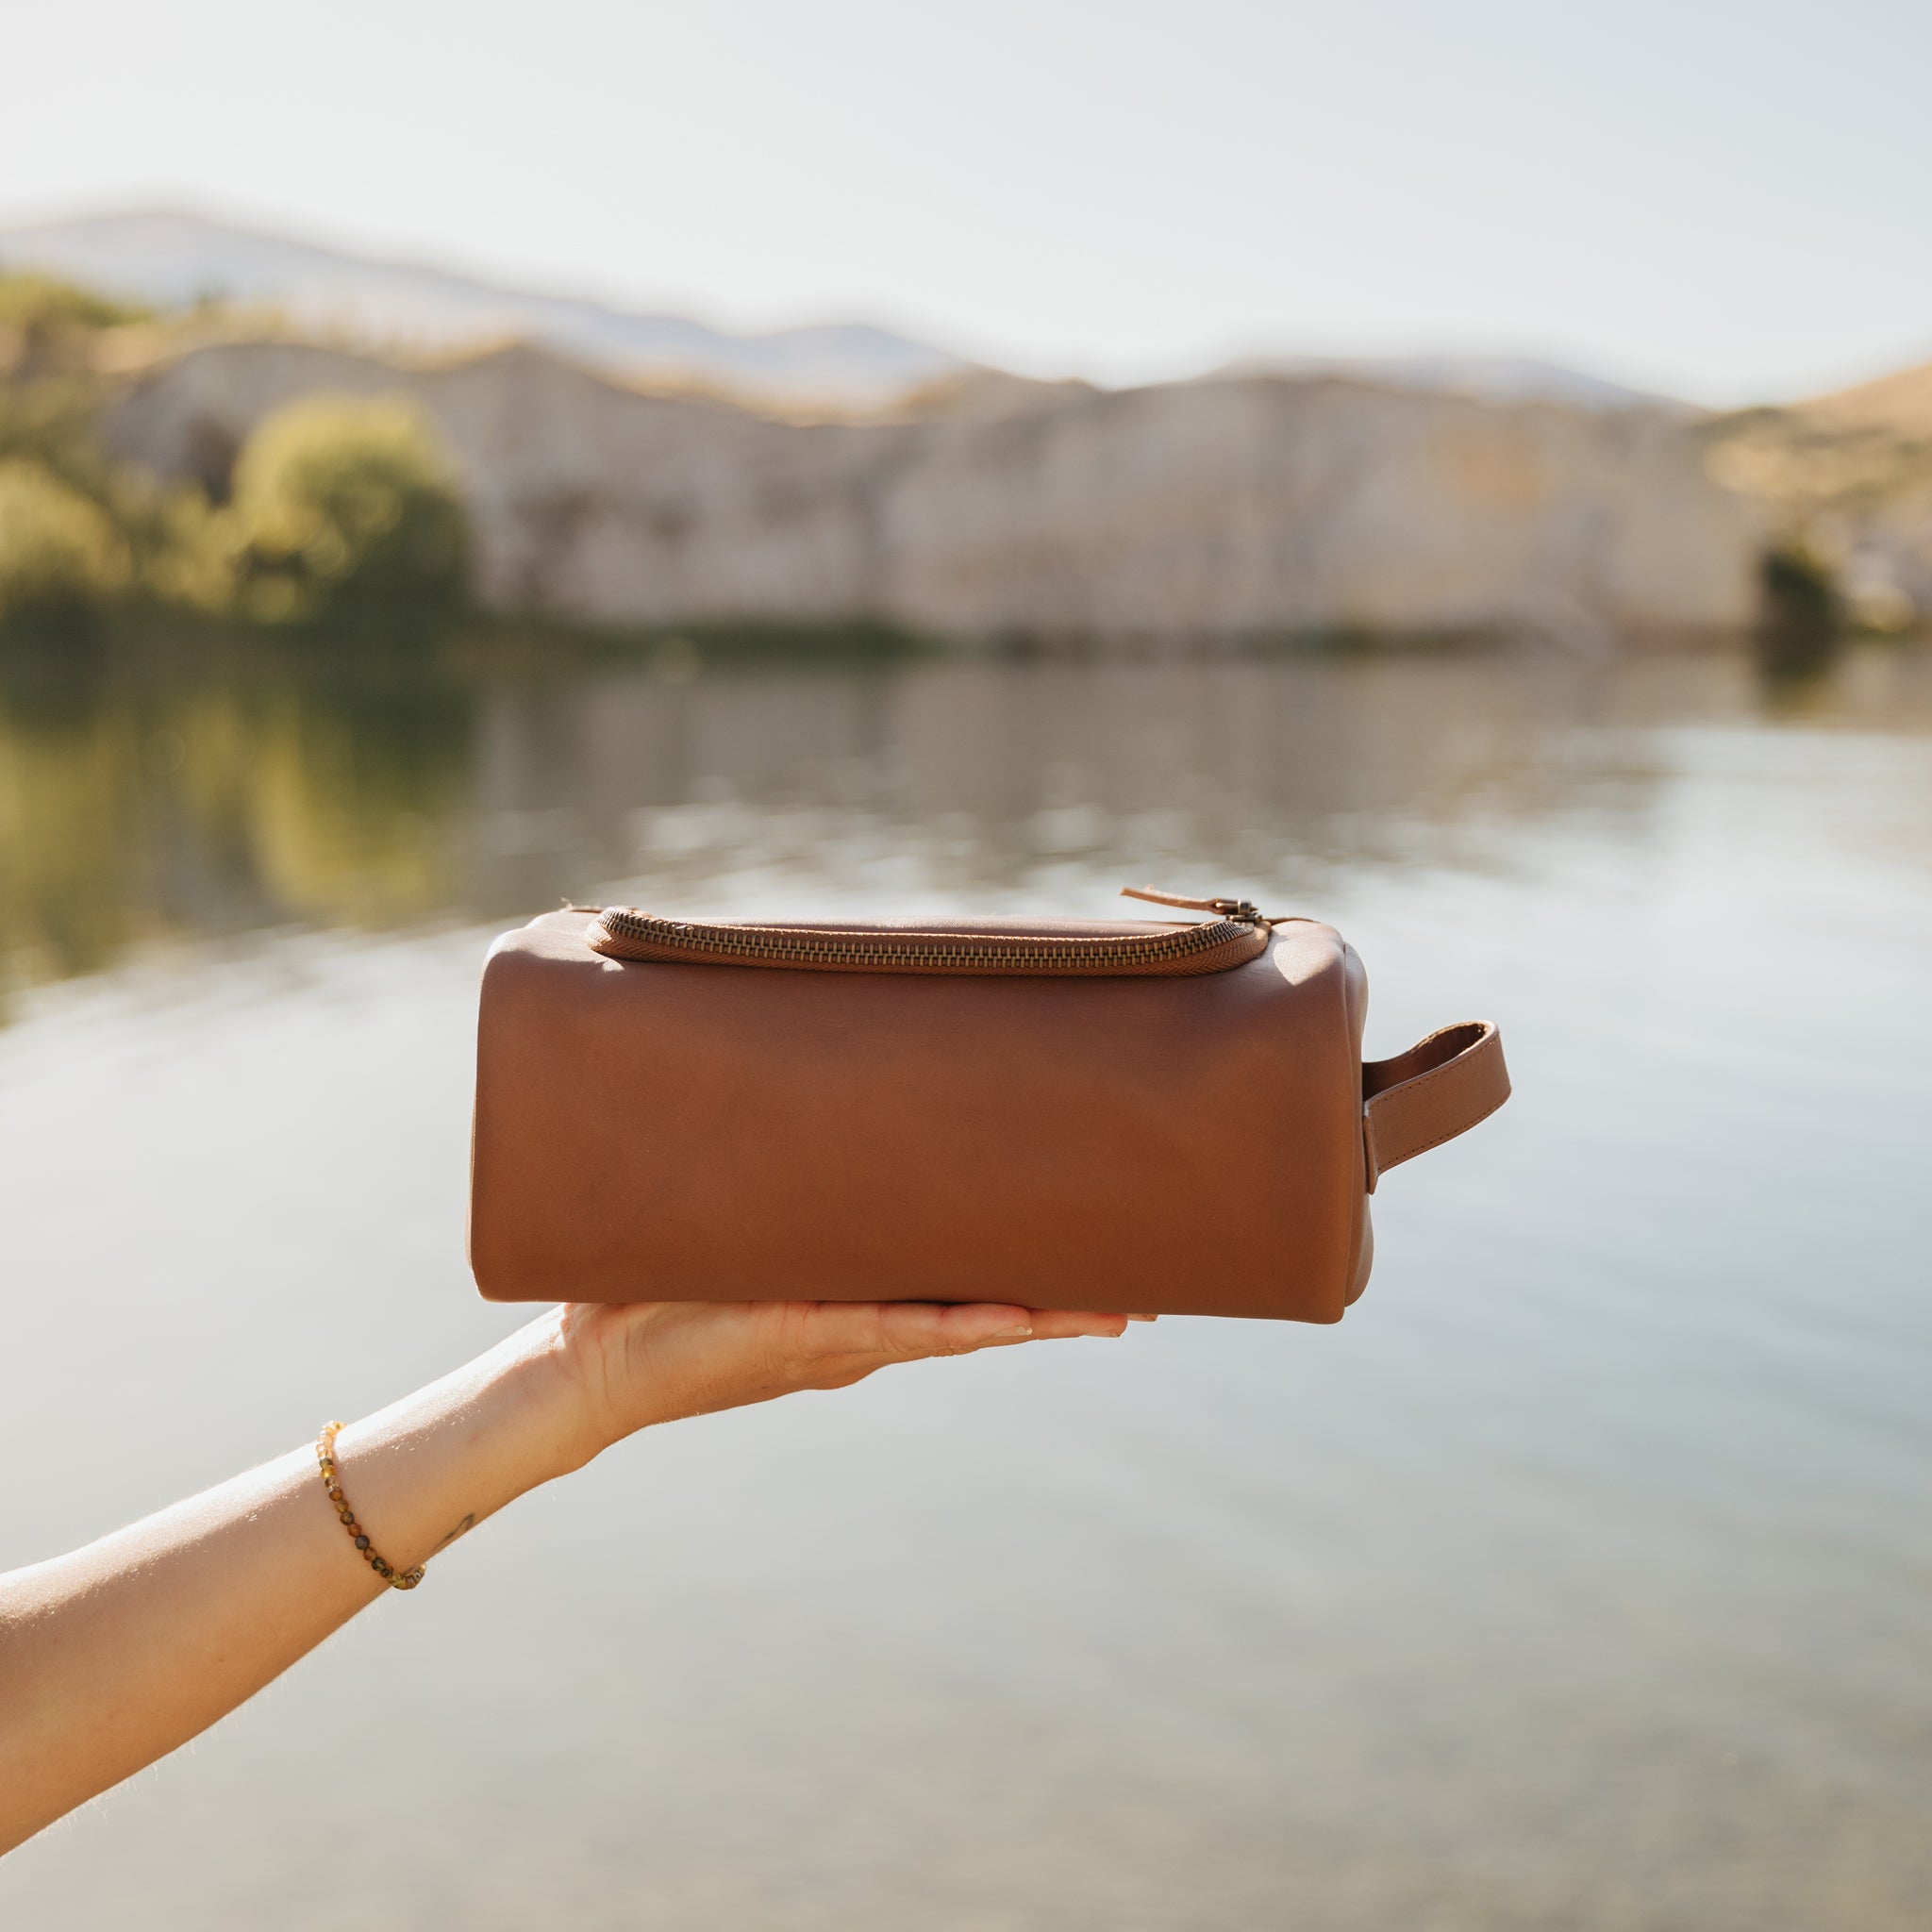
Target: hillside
x=1487, y=378
x=1852, y=474
x=171, y=260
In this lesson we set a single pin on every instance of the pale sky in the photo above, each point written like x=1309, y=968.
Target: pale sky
x=1719, y=199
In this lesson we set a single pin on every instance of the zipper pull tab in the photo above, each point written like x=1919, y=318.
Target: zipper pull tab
x=1243, y=909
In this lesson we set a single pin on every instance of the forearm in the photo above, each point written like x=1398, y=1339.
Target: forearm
x=115, y=1655
x=112, y=1657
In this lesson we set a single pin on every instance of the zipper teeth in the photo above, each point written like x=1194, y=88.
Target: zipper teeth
x=1130, y=949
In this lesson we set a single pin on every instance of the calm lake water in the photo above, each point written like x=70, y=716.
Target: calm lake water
x=1582, y=1578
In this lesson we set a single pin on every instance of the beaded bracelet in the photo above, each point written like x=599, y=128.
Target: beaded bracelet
x=326, y=1454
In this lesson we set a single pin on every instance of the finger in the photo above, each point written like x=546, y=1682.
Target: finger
x=908, y=1331
x=968, y=1326
x=962, y=1327
x=1057, y=1324
x=904, y=1331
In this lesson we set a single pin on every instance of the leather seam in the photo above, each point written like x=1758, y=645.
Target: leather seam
x=1473, y=1121
x=1415, y=1082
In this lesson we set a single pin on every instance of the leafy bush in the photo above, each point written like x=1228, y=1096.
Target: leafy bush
x=344, y=510
x=61, y=558
x=30, y=301
x=347, y=506
x=1801, y=623
x=184, y=548
x=1799, y=581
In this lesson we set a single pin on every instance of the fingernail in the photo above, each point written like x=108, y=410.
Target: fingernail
x=1011, y=1334
x=1141, y=1318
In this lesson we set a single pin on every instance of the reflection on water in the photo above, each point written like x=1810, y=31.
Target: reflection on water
x=134, y=807
x=129, y=810
x=1577, y=1579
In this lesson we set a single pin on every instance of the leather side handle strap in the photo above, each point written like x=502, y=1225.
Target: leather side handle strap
x=1442, y=1087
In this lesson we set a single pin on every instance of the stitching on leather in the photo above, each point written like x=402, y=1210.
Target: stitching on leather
x=1474, y=1121
x=1484, y=1037
x=1417, y=1081
x=1485, y=1033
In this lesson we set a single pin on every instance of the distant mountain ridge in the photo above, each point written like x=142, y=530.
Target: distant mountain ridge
x=172, y=259
x=1484, y=378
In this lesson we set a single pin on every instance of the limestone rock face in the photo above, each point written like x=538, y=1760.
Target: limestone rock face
x=1851, y=473
x=1218, y=509
x=1267, y=504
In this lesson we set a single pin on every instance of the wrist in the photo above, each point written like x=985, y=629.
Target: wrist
x=557, y=1402
x=605, y=1353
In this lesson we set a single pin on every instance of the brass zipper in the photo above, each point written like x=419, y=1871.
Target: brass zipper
x=1245, y=910
x=1237, y=932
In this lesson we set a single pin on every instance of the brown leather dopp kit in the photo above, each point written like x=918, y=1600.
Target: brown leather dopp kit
x=1150, y=1118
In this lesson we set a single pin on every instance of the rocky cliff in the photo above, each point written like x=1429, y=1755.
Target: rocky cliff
x=1851, y=474
x=1220, y=509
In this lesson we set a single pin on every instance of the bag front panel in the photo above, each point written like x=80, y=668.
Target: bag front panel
x=679, y=1131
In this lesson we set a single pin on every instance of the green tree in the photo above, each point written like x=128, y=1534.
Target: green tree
x=347, y=509
x=61, y=559
x=41, y=304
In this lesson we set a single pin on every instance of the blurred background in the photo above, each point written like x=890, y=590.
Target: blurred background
x=1466, y=475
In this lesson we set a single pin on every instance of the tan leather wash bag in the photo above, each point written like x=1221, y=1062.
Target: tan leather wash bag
x=1162, y=1118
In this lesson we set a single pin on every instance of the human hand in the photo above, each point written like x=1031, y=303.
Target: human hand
x=641, y=1362
x=123, y=1650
